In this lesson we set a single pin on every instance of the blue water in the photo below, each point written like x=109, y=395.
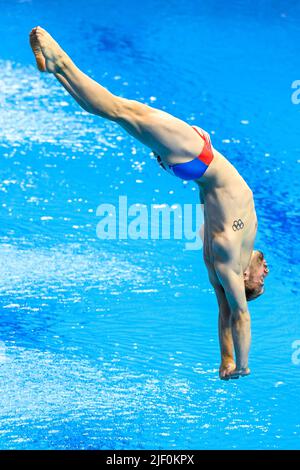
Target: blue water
x=112, y=344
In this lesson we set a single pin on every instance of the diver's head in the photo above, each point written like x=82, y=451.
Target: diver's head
x=255, y=274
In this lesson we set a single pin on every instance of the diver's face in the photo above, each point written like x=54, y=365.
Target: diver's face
x=258, y=270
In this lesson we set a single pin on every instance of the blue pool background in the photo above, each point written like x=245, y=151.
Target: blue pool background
x=113, y=344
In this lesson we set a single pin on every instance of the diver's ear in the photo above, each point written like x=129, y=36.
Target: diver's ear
x=246, y=274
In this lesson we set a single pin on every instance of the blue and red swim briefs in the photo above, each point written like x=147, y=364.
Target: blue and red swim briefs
x=195, y=168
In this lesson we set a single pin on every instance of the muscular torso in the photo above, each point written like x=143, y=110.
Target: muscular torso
x=229, y=213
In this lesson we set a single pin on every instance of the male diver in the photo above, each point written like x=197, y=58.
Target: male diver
x=236, y=271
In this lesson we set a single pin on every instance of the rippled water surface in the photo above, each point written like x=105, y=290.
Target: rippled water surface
x=113, y=344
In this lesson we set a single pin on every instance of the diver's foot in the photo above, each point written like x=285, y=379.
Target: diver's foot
x=49, y=55
x=226, y=369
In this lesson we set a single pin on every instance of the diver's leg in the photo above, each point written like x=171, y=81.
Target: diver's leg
x=70, y=90
x=162, y=132
x=50, y=57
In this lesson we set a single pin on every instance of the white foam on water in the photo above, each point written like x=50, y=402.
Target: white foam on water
x=37, y=271
x=34, y=109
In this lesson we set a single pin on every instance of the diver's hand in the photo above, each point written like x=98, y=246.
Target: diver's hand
x=237, y=373
x=226, y=368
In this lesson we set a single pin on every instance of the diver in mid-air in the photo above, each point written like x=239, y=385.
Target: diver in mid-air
x=236, y=271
